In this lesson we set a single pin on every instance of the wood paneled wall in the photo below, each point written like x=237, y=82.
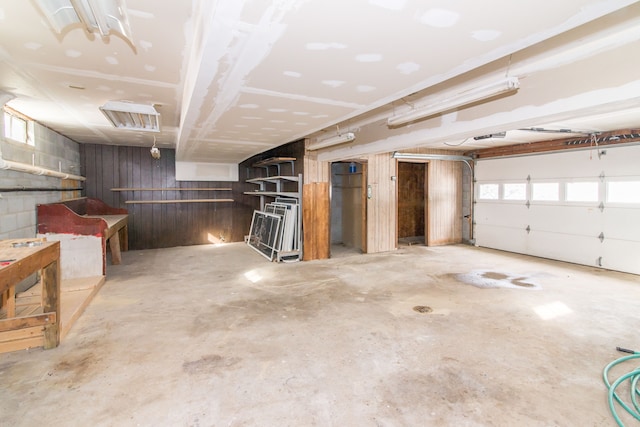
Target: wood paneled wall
x=411, y=199
x=382, y=206
x=164, y=225
x=444, y=202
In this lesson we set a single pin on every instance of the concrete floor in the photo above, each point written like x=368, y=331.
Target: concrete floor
x=218, y=336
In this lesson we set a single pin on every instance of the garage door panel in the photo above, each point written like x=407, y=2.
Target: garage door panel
x=622, y=223
x=621, y=255
x=578, y=220
x=564, y=247
x=509, y=215
x=503, y=238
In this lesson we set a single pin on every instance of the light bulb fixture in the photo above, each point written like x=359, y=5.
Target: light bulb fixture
x=338, y=139
x=130, y=116
x=155, y=151
x=470, y=96
x=97, y=16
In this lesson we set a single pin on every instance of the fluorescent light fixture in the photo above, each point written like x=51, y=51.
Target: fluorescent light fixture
x=470, y=96
x=130, y=116
x=338, y=139
x=101, y=16
x=416, y=156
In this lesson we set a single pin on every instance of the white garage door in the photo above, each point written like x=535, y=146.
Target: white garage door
x=581, y=206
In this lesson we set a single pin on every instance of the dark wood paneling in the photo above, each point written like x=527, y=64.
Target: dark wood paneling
x=163, y=225
x=411, y=199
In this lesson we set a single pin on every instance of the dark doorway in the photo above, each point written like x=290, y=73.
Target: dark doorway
x=411, y=203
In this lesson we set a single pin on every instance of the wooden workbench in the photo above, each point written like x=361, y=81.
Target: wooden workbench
x=20, y=258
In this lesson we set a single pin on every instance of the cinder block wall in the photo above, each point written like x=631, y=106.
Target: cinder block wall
x=50, y=150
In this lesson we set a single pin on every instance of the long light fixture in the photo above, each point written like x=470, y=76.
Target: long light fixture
x=130, y=116
x=97, y=16
x=477, y=94
x=338, y=139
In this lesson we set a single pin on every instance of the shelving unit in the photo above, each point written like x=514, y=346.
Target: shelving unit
x=279, y=187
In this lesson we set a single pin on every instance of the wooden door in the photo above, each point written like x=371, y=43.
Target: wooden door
x=411, y=201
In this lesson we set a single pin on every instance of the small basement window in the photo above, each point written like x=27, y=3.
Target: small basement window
x=16, y=127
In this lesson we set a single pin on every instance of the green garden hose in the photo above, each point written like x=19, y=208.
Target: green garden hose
x=633, y=377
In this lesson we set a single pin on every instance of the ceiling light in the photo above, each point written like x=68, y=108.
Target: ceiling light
x=101, y=16
x=470, y=96
x=155, y=151
x=338, y=139
x=491, y=135
x=130, y=116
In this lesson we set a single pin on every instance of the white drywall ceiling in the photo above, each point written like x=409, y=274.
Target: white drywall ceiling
x=234, y=78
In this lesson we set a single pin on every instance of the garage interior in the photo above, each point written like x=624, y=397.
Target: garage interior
x=447, y=200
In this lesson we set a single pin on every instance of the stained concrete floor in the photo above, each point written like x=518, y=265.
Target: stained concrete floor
x=218, y=336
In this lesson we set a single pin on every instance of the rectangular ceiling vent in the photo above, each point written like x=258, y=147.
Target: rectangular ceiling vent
x=130, y=116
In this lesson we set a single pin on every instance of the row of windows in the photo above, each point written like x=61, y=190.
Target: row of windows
x=583, y=191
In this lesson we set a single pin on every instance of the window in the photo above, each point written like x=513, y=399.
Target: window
x=546, y=191
x=489, y=191
x=623, y=192
x=515, y=191
x=16, y=128
x=582, y=191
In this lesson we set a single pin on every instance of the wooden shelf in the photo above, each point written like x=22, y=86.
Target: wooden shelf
x=171, y=189
x=272, y=161
x=274, y=193
x=273, y=179
x=130, y=202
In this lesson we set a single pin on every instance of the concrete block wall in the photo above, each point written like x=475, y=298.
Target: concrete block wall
x=18, y=208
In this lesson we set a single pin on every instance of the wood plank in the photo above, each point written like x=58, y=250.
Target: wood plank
x=22, y=333
x=316, y=220
x=179, y=201
x=51, y=301
x=39, y=320
x=174, y=189
x=22, y=344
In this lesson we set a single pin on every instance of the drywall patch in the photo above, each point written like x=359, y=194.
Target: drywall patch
x=320, y=116
x=146, y=45
x=333, y=83
x=277, y=110
x=487, y=279
x=72, y=53
x=300, y=113
x=369, y=57
x=365, y=88
x=150, y=68
x=111, y=60
x=33, y=45
x=104, y=88
x=249, y=106
x=292, y=74
x=251, y=118
x=439, y=18
x=408, y=67
x=389, y=4
x=486, y=35
x=325, y=46
x=276, y=121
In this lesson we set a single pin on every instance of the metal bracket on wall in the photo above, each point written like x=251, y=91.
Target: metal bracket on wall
x=601, y=206
x=528, y=204
x=601, y=237
x=599, y=261
x=601, y=176
x=529, y=178
x=528, y=229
